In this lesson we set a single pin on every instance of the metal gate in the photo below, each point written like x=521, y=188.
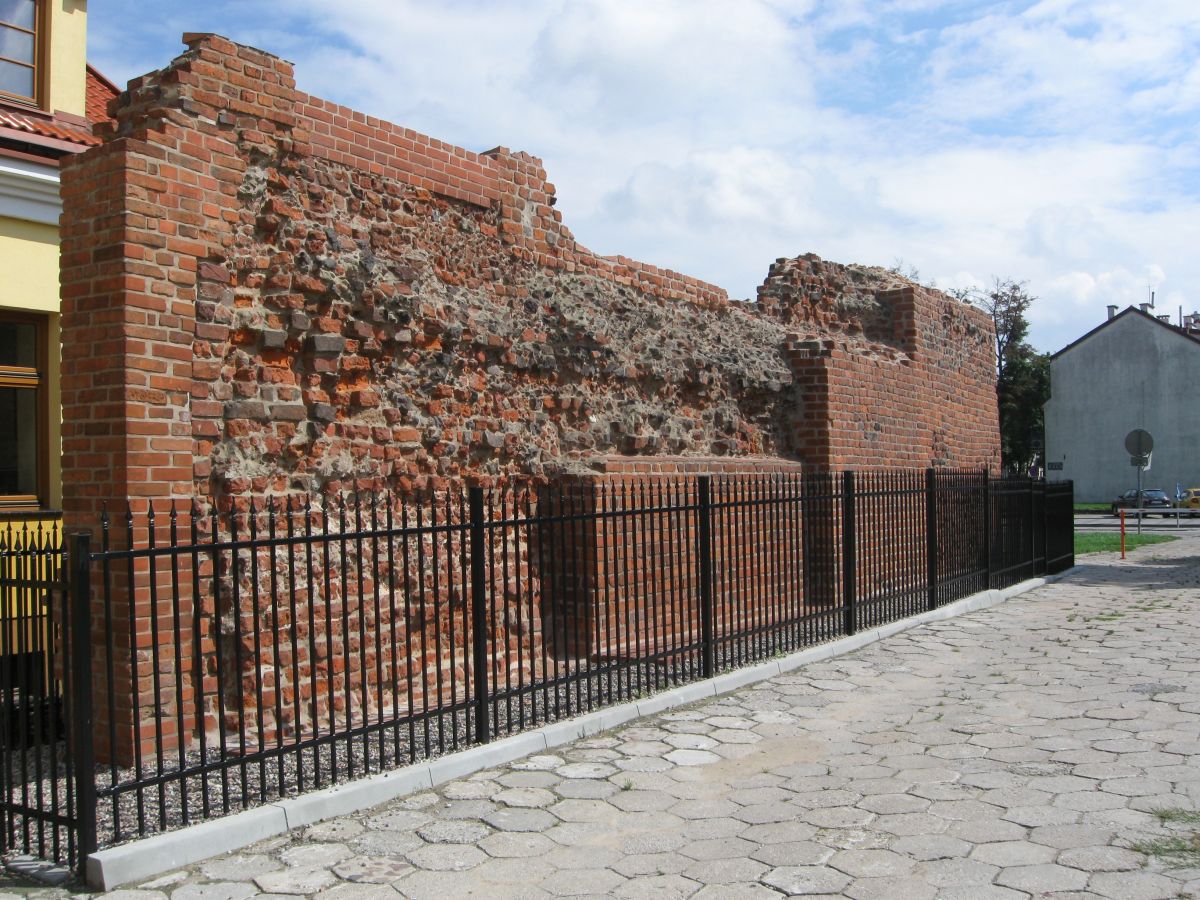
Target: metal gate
x=37, y=795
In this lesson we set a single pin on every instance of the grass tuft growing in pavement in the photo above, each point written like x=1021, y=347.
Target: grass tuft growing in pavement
x=1181, y=851
x=1093, y=542
x=1174, y=814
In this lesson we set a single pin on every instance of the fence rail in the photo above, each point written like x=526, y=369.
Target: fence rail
x=219, y=662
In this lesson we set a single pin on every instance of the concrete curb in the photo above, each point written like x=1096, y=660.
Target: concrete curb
x=161, y=853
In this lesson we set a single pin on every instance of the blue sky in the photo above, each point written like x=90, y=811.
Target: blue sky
x=1053, y=142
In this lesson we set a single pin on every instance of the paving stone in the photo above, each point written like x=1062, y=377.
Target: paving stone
x=532, y=780
x=893, y=803
x=765, y=813
x=585, y=770
x=722, y=848
x=585, y=789
x=903, y=824
x=957, y=872
x=725, y=870
x=891, y=888
x=871, y=863
x=837, y=817
x=513, y=871
x=160, y=882
x=1134, y=886
x=793, y=853
x=584, y=811
x=465, y=809
x=806, y=880
x=1063, y=837
x=454, y=832
x=516, y=844
x=710, y=829
x=931, y=846
x=525, y=798
x=648, y=864
x=239, y=866
x=981, y=892
x=470, y=790
x=779, y=832
x=569, y=834
x=1036, y=816
x=296, y=880
x=538, y=763
x=1013, y=853
x=340, y=830
x=385, y=843
x=1042, y=879
x=520, y=820
x=217, y=890
x=425, y=885
x=692, y=757
x=312, y=855
x=1101, y=859
x=580, y=882
x=690, y=742
x=447, y=857
x=358, y=892
x=372, y=870
x=400, y=820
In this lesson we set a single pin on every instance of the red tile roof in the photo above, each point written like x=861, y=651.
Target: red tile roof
x=99, y=91
x=40, y=125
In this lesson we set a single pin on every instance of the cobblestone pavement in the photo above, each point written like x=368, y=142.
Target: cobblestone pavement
x=1021, y=751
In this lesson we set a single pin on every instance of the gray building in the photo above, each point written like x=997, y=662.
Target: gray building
x=1133, y=371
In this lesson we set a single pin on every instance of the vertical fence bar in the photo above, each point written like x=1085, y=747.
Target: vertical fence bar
x=849, y=555
x=1032, y=531
x=987, y=530
x=704, y=552
x=931, y=538
x=82, y=750
x=479, y=615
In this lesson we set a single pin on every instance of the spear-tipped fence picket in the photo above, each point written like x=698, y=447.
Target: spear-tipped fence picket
x=215, y=662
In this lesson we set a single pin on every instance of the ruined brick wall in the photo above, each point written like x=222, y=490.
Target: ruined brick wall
x=373, y=308
x=894, y=374
x=269, y=295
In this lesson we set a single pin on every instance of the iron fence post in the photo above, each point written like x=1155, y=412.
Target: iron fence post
x=479, y=637
x=931, y=537
x=83, y=753
x=1032, y=532
x=704, y=552
x=1069, y=523
x=987, y=530
x=849, y=557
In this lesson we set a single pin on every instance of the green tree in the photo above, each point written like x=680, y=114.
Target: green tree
x=1022, y=374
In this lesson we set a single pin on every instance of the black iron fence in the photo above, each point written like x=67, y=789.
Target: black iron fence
x=219, y=662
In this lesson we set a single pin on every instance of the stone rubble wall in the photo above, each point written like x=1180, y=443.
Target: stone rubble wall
x=266, y=295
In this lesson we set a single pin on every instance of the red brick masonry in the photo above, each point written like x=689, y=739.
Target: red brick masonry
x=268, y=294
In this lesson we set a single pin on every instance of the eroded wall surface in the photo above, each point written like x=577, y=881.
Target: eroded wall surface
x=268, y=296
x=321, y=300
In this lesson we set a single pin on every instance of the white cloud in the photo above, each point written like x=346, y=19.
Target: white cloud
x=1056, y=142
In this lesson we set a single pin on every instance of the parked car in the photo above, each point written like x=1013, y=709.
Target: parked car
x=1190, y=500
x=1151, y=499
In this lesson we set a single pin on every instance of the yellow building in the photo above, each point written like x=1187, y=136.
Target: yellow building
x=49, y=100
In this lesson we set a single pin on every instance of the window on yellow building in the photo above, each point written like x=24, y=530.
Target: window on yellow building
x=22, y=411
x=21, y=35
